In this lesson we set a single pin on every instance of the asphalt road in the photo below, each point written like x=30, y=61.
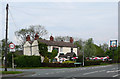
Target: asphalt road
x=95, y=71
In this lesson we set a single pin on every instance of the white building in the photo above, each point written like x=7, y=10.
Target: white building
x=65, y=49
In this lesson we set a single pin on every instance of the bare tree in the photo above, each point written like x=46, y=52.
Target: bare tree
x=62, y=38
x=32, y=30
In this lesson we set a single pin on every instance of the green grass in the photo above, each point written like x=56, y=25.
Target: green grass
x=44, y=67
x=11, y=72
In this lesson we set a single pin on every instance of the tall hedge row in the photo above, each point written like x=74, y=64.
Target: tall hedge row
x=28, y=61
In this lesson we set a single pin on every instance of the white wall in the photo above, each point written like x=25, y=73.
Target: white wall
x=75, y=50
x=35, y=49
x=27, y=48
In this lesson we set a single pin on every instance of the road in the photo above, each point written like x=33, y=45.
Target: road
x=95, y=71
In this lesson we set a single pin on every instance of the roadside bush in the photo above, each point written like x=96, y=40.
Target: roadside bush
x=58, y=65
x=46, y=60
x=69, y=62
x=9, y=59
x=91, y=62
x=28, y=61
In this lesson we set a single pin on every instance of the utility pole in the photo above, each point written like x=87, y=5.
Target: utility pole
x=83, y=56
x=6, y=45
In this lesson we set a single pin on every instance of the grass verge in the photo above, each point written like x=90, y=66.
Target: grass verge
x=44, y=67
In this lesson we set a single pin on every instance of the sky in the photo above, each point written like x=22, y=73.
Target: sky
x=95, y=19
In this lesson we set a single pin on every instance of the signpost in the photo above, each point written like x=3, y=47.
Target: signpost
x=12, y=49
x=113, y=46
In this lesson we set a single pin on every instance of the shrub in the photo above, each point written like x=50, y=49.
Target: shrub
x=46, y=60
x=58, y=65
x=9, y=59
x=91, y=62
x=28, y=61
x=69, y=62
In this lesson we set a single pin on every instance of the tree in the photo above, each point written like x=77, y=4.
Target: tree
x=32, y=30
x=52, y=55
x=99, y=51
x=104, y=47
x=43, y=50
x=79, y=44
x=62, y=38
x=2, y=48
x=89, y=49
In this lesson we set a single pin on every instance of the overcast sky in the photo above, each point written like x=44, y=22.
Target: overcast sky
x=97, y=20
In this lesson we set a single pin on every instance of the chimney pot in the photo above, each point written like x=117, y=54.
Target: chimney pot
x=36, y=36
x=71, y=40
x=51, y=38
x=28, y=38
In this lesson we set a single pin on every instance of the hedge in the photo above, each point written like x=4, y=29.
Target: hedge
x=96, y=62
x=28, y=61
x=57, y=64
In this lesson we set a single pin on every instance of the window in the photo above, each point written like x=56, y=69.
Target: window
x=61, y=49
x=49, y=48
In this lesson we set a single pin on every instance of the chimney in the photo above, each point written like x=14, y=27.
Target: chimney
x=51, y=38
x=36, y=36
x=71, y=40
x=28, y=38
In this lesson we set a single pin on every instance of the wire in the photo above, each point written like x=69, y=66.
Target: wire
x=12, y=18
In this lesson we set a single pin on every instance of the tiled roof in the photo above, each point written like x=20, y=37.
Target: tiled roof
x=57, y=43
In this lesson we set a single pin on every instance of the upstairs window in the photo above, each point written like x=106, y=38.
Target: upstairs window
x=61, y=49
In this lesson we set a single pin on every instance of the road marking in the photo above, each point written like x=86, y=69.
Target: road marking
x=38, y=74
x=102, y=70
x=112, y=71
x=116, y=75
x=90, y=73
x=34, y=74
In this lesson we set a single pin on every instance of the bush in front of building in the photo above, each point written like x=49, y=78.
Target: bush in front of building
x=69, y=62
x=46, y=60
x=28, y=61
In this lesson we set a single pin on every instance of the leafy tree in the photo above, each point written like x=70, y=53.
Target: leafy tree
x=2, y=48
x=52, y=55
x=104, y=47
x=43, y=50
x=32, y=30
x=89, y=49
x=99, y=51
x=79, y=44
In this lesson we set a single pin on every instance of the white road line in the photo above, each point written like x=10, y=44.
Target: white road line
x=90, y=73
x=102, y=70
x=34, y=74
x=116, y=75
x=112, y=71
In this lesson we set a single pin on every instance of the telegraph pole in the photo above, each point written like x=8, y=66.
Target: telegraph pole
x=6, y=45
